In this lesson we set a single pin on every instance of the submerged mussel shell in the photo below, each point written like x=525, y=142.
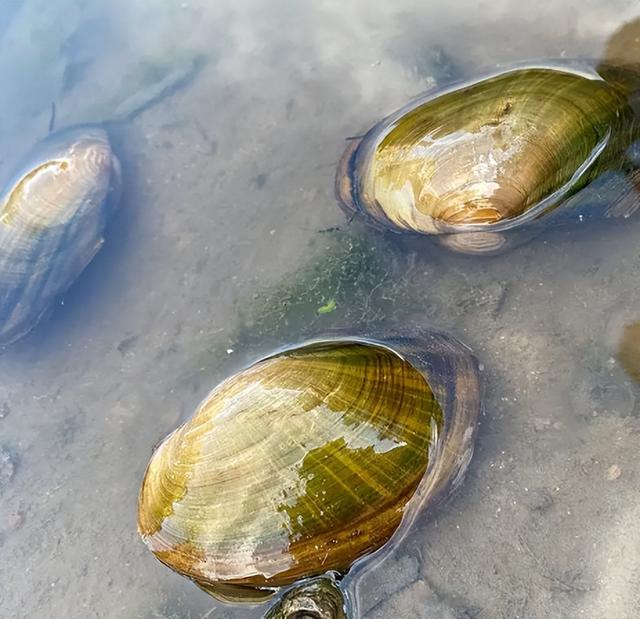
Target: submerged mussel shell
x=487, y=157
x=52, y=217
x=309, y=459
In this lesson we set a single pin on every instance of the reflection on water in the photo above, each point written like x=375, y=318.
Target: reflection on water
x=217, y=254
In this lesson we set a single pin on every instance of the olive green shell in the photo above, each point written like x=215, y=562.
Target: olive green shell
x=486, y=158
x=309, y=459
x=53, y=214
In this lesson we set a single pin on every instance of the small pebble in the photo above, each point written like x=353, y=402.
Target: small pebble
x=15, y=520
x=613, y=472
x=540, y=425
x=539, y=500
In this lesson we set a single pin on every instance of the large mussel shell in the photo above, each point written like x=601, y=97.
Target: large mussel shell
x=310, y=459
x=52, y=218
x=487, y=157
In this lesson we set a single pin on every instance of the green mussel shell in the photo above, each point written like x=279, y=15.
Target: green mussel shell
x=310, y=459
x=488, y=156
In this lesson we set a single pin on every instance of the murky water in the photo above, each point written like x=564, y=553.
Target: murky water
x=229, y=118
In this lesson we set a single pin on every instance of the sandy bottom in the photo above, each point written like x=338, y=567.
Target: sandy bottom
x=228, y=183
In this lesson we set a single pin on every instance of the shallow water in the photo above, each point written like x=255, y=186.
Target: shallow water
x=229, y=118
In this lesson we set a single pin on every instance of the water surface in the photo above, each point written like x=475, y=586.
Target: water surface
x=229, y=118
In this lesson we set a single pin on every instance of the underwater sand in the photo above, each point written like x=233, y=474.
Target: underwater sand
x=228, y=188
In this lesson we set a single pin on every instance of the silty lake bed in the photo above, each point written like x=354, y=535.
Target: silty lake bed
x=229, y=120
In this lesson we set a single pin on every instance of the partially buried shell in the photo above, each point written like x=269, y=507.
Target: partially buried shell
x=478, y=162
x=310, y=459
x=52, y=218
x=319, y=598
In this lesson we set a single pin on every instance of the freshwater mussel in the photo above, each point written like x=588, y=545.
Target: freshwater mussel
x=310, y=460
x=486, y=163
x=53, y=213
